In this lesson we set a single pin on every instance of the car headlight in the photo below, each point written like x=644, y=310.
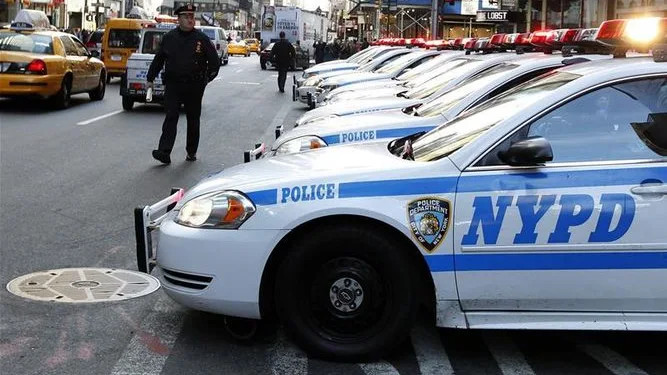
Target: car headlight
x=309, y=142
x=312, y=81
x=221, y=210
x=308, y=75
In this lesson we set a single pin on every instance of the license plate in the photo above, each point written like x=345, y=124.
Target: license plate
x=116, y=58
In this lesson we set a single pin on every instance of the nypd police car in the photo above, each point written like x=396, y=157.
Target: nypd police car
x=506, y=217
x=351, y=63
x=387, y=125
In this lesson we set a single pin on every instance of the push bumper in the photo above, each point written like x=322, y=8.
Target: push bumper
x=260, y=148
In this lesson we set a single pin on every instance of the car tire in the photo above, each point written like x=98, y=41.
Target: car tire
x=108, y=78
x=347, y=293
x=99, y=91
x=128, y=103
x=61, y=100
x=225, y=61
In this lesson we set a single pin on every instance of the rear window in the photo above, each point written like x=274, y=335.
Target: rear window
x=152, y=41
x=251, y=41
x=210, y=33
x=96, y=37
x=41, y=44
x=121, y=38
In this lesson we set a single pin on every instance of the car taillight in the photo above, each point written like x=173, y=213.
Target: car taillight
x=137, y=86
x=36, y=67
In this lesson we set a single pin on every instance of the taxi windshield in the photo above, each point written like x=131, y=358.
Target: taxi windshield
x=31, y=43
x=452, y=135
x=458, y=68
x=450, y=99
x=397, y=64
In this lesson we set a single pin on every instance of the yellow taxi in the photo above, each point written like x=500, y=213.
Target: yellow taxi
x=253, y=45
x=238, y=48
x=37, y=62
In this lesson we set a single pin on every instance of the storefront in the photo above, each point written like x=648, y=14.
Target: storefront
x=560, y=14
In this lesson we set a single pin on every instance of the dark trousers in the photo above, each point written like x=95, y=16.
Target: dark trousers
x=176, y=93
x=282, y=77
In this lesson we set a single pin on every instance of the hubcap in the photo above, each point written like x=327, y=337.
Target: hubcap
x=346, y=294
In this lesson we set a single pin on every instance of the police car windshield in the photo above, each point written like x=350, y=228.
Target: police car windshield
x=451, y=98
x=421, y=69
x=397, y=64
x=366, y=54
x=11, y=41
x=459, y=67
x=452, y=135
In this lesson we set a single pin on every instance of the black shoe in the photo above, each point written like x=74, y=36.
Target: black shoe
x=192, y=157
x=282, y=90
x=161, y=156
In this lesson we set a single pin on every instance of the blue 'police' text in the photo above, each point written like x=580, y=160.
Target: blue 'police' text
x=308, y=193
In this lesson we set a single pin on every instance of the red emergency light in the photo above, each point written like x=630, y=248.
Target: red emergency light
x=637, y=33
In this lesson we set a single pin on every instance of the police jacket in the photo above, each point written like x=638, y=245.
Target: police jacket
x=284, y=52
x=187, y=56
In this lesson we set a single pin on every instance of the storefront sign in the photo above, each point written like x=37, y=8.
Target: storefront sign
x=469, y=7
x=492, y=15
x=491, y=4
x=510, y=4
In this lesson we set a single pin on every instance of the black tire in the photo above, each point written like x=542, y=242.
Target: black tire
x=62, y=99
x=99, y=91
x=108, y=79
x=225, y=61
x=324, y=273
x=128, y=103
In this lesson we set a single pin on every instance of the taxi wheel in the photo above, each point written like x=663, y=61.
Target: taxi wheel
x=62, y=99
x=128, y=103
x=98, y=92
x=347, y=293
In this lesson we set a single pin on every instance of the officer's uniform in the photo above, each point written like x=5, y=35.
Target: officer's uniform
x=283, y=52
x=190, y=63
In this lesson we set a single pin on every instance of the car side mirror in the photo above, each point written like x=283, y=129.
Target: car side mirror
x=527, y=152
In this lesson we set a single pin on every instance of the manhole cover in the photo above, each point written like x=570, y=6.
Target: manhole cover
x=83, y=285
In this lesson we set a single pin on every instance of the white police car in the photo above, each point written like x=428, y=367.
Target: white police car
x=461, y=68
x=309, y=85
x=387, y=125
x=543, y=208
x=351, y=63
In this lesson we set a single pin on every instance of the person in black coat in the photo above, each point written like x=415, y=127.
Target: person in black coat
x=190, y=62
x=283, y=54
x=319, y=47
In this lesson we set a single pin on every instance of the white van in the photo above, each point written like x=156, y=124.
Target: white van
x=219, y=39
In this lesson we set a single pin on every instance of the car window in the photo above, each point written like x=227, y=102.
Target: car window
x=210, y=33
x=151, y=42
x=96, y=37
x=396, y=64
x=124, y=38
x=70, y=48
x=435, y=84
x=80, y=48
x=598, y=125
x=42, y=44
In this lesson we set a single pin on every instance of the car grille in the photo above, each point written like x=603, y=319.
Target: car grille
x=186, y=280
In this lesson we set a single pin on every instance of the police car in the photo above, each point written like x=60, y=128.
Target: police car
x=507, y=217
x=353, y=62
x=309, y=85
x=133, y=82
x=460, y=68
x=387, y=125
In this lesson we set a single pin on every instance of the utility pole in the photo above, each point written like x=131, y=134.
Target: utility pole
x=122, y=8
x=434, y=19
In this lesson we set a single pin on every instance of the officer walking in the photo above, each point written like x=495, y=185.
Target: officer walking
x=190, y=63
x=283, y=53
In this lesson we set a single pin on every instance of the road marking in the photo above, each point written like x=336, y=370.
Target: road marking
x=245, y=83
x=613, y=361
x=239, y=71
x=431, y=356
x=507, y=355
x=378, y=368
x=99, y=117
x=274, y=75
x=287, y=359
x=153, y=339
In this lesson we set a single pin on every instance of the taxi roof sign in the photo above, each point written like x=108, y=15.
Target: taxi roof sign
x=29, y=19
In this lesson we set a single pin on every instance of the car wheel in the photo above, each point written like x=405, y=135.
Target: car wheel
x=347, y=293
x=62, y=99
x=99, y=91
x=128, y=103
x=225, y=61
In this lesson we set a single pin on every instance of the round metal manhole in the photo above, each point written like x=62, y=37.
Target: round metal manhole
x=83, y=285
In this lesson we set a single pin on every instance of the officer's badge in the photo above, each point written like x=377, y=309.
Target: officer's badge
x=198, y=47
x=429, y=221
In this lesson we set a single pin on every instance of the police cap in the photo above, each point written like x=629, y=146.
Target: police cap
x=187, y=8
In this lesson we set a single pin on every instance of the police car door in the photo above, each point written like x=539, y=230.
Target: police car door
x=585, y=232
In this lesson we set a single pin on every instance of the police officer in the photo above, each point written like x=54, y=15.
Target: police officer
x=190, y=63
x=283, y=53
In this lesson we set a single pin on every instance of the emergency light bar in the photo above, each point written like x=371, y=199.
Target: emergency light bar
x=639, y=33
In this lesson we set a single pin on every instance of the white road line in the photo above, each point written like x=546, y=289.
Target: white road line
x=274, y=75
x=431, y=356
x=287, y=359
x=613, y=361
x=99, y=117
x=239, y=71
x=153, y=339
x=245, y=83
x=507, y=355
x=378, y=368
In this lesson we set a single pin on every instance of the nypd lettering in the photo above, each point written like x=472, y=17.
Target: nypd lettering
x=307, y=193
x=429, y=221
x=357, y=136
x=573, y=210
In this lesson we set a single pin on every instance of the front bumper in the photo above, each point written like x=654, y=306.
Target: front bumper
x=260, y=150
x=29, y=85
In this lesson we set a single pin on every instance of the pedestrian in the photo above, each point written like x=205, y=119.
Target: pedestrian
x=319, y=47
x=365, y=44
x=282, y=53
x=190, y=62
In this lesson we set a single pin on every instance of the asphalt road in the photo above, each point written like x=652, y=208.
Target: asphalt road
x=69, y=181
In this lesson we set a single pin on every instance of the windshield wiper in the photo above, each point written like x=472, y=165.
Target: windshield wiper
x=397, y=146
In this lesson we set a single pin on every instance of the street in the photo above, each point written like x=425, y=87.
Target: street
x=69, y=181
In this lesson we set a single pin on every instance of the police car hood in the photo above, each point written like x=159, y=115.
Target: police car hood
x=354, y=77
x=333, y=67
x=330, y=163
x=345, y=108
x=384, y=91
x=333, y=129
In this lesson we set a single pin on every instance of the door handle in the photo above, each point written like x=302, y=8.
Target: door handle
x=650, y=189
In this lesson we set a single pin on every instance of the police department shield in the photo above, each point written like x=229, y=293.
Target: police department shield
x=429, y=221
